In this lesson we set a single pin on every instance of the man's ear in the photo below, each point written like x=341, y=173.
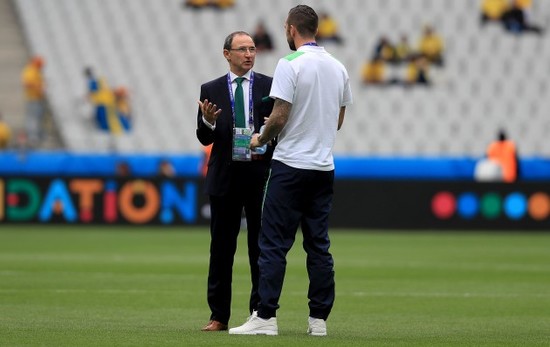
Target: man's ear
x=293, y=31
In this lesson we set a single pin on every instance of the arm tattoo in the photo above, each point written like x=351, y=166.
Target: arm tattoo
x=277, y=119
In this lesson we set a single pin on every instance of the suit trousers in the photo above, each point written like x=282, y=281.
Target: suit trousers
x=226, y=214
x=294, y=198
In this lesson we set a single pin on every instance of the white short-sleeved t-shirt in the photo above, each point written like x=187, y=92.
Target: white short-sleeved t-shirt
x=317, y=85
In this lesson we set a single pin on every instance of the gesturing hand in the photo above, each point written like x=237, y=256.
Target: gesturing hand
x=210, y=111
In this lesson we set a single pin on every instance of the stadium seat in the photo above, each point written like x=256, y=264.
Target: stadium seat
x=163, y=52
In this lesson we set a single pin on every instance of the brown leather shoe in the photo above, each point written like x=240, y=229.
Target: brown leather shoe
x=214, y=325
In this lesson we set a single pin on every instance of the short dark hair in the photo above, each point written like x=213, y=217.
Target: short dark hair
x=304, y=19
x=229, y=39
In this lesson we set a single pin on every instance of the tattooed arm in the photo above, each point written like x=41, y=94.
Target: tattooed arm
x=274, y=124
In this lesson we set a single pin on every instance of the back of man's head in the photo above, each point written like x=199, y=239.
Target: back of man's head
x=304, y=19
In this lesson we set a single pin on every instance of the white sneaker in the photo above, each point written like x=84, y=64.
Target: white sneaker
x=256, y=326
x=317, y=327
x=254, y=314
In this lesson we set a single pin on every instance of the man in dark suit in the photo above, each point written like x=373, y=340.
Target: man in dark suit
x=236, y=176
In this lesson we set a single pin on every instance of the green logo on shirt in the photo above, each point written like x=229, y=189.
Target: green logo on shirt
x=294, y=55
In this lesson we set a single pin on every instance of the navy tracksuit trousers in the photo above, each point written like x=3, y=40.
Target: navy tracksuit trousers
x=296, y=197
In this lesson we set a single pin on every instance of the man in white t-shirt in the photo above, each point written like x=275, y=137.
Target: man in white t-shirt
x=311, y=91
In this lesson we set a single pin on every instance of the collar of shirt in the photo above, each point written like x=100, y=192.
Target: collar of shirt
x=308, y=48
x=246, y=89
x=246, y=76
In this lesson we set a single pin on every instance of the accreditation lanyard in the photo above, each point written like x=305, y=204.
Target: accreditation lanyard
x=250, y=103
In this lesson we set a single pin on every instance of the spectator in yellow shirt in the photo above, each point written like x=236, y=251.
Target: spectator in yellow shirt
x=374, y=71
x=200, y=4
x=417, y=71
x=524, y=4
x=403, y=49
x=196, y=4
x=385, y=50
x=328, y=29
x=33, y=86
x=431, y=46
x=5, y=134
x=493, y=10
x=223, y=4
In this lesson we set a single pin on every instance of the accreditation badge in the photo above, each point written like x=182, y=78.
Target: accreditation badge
x=241, y=144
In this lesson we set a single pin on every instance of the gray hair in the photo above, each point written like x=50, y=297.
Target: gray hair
x=229, y=39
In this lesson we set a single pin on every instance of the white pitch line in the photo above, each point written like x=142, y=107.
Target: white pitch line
x=418, y=294
x=447, y=295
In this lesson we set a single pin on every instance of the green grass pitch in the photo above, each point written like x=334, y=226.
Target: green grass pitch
x=146, y=286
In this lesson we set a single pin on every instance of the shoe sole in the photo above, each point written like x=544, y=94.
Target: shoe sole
x=313, y=333
x=256, y=332
x=317, y=334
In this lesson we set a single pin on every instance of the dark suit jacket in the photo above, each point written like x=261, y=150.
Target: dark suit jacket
x=220, y=165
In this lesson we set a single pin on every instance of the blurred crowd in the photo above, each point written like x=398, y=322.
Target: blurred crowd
x=417, y=60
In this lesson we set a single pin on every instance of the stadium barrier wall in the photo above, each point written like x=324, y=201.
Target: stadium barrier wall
x=361, y=204
x=379, y=193
x=456, y=205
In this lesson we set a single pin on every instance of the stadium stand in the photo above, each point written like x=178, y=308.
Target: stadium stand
x=163, y=52
x=13, y=57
